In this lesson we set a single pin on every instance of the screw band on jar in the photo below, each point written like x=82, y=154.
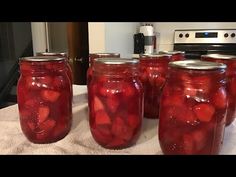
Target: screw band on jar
x=220, y=56
x=197, y=65
x=42, y=58
x=116, y=61
x=105, y=54
x=129, y=67
x=63, y=54
x=153, y=55
x=93, y=56
x=172, y=52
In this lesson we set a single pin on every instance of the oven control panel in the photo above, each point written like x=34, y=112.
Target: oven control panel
x=205, y=36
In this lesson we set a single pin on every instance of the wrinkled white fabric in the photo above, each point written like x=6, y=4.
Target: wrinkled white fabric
x=79, y=140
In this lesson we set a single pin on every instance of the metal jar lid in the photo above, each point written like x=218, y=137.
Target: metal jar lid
x=105, y=54
x=171, y=52
x=64, y=54
x=220, y=56
x=42, y=58
x=116, y=61
x=197, y=65
x=154, y=55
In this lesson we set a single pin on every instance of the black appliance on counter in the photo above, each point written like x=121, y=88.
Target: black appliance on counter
x=208, y=41
x=139, y=40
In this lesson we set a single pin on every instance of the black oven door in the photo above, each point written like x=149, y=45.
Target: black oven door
x=194, y=51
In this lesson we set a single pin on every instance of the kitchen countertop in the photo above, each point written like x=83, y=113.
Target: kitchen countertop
x=79, y=140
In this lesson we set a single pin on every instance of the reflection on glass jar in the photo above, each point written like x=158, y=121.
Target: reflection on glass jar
x=115, y=102
x=230, y=61
x=193, y=108
x=153, y=70
x=44, y=99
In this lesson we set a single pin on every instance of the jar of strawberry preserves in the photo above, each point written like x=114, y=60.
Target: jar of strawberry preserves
x=115, y=102
x=153, y=70
x=44, y=99
x=230, y=61
x=93, y=56
x=193, y=108
x=175, y=55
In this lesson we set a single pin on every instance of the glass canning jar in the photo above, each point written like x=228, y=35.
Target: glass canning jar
x=44, y=98
x=193, y=108
x=115, y=102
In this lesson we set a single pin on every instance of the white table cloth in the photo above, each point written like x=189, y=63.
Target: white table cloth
x=79, y=140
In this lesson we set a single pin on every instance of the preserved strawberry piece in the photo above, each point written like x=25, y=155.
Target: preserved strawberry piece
x=44, y=105
x=115, y=103
x=47, y=125
x=98, y=104
x=43, y=113
x=121, y=130
x=199, y=137
x=204, y=112
x=185, y=115
x=220, y=99
x=50, y=95
x=133, y=121
x=45, y=80
x=31, y=125
x=101, y=137
x=193, y=107
x=202, y=83
x=188, y=144
x=112, y=103
x=102, y=118
x=129, y=90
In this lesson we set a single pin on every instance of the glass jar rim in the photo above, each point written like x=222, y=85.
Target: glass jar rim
x=41, y=58
x=105, y=54
x=51, y=54
x=116, y=61
x=220, y=56
x=171, y=52
x=197, y=65
x=154, y=55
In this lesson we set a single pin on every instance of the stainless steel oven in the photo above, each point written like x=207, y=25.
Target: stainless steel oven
x=199, y=42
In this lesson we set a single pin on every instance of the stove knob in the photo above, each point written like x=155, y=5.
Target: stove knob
x=180, y=35
x=226, y=35
x=187, y=35
x=233, y=35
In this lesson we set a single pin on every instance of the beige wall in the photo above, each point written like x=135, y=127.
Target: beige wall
x=96, y=37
